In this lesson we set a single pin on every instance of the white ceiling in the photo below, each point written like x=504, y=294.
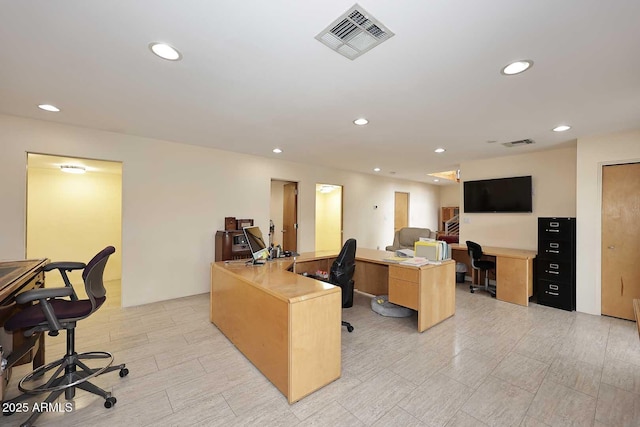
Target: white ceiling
x=253, y=77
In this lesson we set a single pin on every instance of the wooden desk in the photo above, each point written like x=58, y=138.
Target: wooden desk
x=514, y=271
x=287, y=325
x=17, y=277
x=428, y=289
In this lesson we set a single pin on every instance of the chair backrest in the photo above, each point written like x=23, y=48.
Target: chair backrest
x=342, y=269
x=93, y=276
x=407, y=236
x=475, y=250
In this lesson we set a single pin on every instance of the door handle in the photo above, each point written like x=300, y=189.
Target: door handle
x=611, y=247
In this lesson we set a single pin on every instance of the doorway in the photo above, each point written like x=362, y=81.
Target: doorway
x=72, y=216
x=620, y=239
x=283, y=223
x=401, y=211
x=328, y=217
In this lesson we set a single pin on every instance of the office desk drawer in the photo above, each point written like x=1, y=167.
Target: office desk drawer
x=404, y=273
x=555, y=250
x=403, y=292
x=554, y=270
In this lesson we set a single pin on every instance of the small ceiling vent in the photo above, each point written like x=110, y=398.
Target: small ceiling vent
x=354, y=33
x=519, y=143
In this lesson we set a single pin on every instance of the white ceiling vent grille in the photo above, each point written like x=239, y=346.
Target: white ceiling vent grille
x=354, y=33
x=519, y=143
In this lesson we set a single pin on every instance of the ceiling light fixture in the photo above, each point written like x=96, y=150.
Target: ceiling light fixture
x=436, y=180
x=73, y=169
x=165, y=51
x=439, y=150
x=361, y=121
x=561, y=128
x=376, y=169
x=49, y=107
x=277, y=150
x=517, y=67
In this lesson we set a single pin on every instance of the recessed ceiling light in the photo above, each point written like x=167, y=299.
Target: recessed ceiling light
x=49, y=107
x=361, y=121
x=376, y=169
x=165, y=51
x=517, y=67
x=561, y=128
x=73, y=169
x=436, y=180
x=277, y=150
x=439, y=150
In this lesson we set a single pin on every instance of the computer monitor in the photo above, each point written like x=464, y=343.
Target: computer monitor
x=259, y=251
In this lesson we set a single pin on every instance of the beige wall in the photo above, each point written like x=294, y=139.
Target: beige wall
x=450, y=195
x=554, y=194
x=275, y=215
x=592, y=154
x=72, y=217
x=328, y=219
x=175, y=197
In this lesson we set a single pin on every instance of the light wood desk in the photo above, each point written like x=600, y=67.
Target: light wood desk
x=288, y=325
x=514, y=271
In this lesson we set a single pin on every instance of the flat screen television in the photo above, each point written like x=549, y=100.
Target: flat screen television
x=498, y=195
x=259, y=251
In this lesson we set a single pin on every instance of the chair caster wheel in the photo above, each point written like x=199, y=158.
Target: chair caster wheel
x=350, y=328
x=472, y=291
x=123, y=372
x=110, y=402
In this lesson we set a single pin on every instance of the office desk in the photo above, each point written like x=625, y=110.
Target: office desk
x=428, y=289
x=514, y=271
x=287, y=325
x=17, y=277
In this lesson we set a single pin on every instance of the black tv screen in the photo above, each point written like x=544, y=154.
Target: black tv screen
x=498, y=195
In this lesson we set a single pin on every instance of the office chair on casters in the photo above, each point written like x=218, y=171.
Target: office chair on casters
x=52, y=313
x=475, y=253
x=341, y=274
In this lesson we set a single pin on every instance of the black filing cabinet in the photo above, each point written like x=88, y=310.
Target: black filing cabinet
x=556, y=263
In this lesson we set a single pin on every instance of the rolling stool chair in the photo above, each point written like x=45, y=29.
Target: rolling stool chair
x=52, y=313
x=475, y=253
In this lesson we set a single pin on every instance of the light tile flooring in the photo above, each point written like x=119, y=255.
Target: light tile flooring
x=493, y=364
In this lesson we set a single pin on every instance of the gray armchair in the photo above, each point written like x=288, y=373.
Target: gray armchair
x=406, y=237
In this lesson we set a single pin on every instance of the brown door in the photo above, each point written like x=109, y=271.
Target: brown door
x=401, y=211
x=290, y=217
x=620, y=239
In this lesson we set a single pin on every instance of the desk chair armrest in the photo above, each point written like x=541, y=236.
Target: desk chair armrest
x=43, y=294
x=63, y=267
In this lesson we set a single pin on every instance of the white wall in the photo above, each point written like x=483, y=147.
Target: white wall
x=175, y=197
x=592, y=154
x=72, y=217
x=450, y=195
x=554, y=194
x=276, y=210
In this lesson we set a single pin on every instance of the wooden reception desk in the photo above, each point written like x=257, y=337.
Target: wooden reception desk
x=288, y=325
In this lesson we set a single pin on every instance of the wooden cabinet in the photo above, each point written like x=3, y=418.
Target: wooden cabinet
x=231, y=244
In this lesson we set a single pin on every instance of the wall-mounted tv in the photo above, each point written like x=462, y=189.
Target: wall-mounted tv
x=498, y=195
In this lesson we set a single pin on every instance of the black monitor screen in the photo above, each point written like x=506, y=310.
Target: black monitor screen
x=498, y=195
x=256, y=243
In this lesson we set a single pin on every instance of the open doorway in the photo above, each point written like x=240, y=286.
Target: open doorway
x=283, y=226
x=328, y=217
x=72, y=216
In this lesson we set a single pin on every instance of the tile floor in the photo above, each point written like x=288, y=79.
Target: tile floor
x=492, y=364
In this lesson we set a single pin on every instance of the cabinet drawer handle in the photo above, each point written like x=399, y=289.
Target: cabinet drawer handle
x=552, y=252
x=551, y=272
x=554, y=245
x=554, y=287
x=554, y=266
x=554, y=224
x=552, y=231
x=555, y=294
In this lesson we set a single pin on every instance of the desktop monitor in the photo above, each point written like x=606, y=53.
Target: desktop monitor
x=259, y=251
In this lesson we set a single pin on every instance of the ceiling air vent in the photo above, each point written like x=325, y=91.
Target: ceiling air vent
x=354, y=33
x=519, y=143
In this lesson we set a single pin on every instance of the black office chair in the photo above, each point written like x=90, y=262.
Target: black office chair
x=52, y=313
x=341, y=274
x=475, y=253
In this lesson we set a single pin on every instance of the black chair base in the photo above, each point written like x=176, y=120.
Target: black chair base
x=348, y=325
x=66, y=378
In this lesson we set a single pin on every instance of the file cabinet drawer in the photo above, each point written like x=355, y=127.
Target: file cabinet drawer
x=555, y=250
x=404, y=273
x=555, y=294
x=554, y=270
x=555, y=229
x=403, y=292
